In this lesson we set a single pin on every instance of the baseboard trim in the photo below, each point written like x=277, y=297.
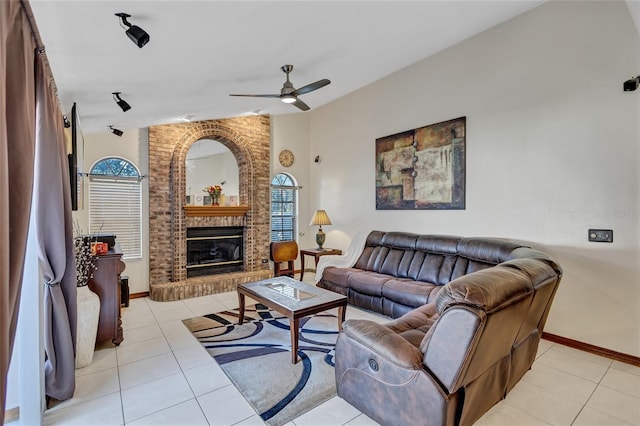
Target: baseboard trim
x=597, y=350
x=139, y=295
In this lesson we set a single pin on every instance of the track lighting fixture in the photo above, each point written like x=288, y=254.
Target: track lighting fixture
x=121, y=103
x=66, y=122
x=115, y=131
x=137, y=35
x=631, y=84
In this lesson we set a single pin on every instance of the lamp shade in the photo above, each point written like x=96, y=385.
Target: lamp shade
x=320, y=217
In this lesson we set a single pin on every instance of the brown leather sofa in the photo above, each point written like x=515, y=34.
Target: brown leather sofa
x=472, y=314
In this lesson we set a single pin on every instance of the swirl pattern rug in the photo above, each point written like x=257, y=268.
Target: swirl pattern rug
x=256, y=357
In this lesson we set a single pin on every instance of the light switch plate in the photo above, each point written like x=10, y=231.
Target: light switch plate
x=601, y=235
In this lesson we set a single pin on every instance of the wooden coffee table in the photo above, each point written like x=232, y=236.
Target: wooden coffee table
x=293, y=299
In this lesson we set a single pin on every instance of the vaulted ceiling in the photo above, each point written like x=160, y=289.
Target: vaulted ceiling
x=201, y=51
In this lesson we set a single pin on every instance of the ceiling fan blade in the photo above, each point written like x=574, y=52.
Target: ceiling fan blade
x=311, y=87
x=259, y=96
x=301, y=105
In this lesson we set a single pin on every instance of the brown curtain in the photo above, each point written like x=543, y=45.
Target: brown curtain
x=17, y=125
x=54, y=236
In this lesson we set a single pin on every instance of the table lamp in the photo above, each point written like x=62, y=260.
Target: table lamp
x=320, y=217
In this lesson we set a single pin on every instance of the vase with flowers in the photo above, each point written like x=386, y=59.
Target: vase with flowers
x=88, y=302
x=215, y=191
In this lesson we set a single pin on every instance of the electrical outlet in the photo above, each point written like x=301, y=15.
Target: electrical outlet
x=265, y=260
x=601, y=235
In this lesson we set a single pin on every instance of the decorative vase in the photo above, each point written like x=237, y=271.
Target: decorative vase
x=87, y=325
x=215, y=199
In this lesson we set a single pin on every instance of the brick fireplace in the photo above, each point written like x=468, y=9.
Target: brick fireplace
x=248, y=138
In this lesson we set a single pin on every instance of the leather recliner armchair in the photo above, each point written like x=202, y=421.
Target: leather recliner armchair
x=449, y=361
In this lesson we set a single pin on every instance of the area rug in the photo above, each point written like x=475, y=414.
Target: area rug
x=256, y=357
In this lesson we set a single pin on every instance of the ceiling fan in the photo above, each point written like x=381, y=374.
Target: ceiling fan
x=289, y=94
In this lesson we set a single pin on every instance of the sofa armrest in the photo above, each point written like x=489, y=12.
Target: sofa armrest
x=384, y=342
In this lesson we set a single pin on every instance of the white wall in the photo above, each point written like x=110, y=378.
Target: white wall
x=291, y=132
x=133, y=146
x=552, y=150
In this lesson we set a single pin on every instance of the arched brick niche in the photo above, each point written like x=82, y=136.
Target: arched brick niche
x=248, y=138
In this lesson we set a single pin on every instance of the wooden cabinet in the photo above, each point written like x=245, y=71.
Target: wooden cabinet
x=106, y=284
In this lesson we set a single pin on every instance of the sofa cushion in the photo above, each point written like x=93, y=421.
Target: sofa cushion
x=372, y=258
x=337, y=279
x=339, y=276
x=443, y=244
x=485, y=289
x=371, y=248
x=487, y=250
x=367, y=282
x=400, y=240
x=436, y=268
x=397, y=262
x=464, y=266
x=408, y=292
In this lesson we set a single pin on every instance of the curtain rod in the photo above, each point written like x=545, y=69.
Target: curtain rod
x=286, y=186
x=40, y=49
x=32, y=24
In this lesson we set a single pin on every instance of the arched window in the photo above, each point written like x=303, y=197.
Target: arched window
x=115, y=203
x=284, y=208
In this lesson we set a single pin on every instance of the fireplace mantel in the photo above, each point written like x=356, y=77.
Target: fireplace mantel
x=195, y=211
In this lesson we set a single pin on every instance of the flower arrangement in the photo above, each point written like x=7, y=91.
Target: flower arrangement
x=214, y=191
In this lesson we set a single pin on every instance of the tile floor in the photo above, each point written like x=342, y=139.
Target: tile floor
x=160, y=375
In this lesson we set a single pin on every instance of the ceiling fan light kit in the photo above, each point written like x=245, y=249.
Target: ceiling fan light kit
x=289, y=94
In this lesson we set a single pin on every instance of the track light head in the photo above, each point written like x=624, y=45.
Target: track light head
x=115, y=131
x=121, y=103
x=66, y=122
x=631, y=84
x=137, y=35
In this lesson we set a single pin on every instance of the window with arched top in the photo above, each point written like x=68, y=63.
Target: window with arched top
x=115, y=203
x=284, y=207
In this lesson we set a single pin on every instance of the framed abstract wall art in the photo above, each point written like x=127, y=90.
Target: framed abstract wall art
x=423, y=168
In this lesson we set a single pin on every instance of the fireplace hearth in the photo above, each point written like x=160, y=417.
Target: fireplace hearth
x=214, y=250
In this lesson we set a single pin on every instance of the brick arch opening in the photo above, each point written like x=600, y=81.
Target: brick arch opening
x=248, y=138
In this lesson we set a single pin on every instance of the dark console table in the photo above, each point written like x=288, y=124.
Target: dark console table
x=106, y=284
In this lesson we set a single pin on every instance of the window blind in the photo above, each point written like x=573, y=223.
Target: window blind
x=283, y=214
x=115, y=206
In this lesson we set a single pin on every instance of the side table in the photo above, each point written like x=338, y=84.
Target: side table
x=316, y=253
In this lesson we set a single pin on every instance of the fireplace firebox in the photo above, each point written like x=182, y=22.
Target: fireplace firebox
x=214, y=250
